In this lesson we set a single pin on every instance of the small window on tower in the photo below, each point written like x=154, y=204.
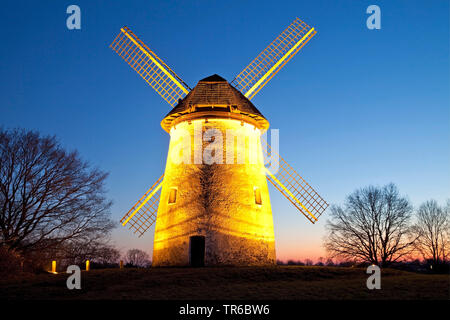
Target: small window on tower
x=173, y=195
x=257, y=195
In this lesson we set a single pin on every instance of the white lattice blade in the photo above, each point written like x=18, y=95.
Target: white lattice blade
x=293, y=186
x=143, y=214
x=256, y=75
x=150, y=67
x=288, y=193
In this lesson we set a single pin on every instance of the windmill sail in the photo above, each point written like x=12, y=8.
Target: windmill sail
x=273, y=58
x=149, y=66
x=293, y=186
x=143, y=214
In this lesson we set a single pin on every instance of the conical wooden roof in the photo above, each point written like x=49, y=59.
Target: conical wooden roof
x=214, y=97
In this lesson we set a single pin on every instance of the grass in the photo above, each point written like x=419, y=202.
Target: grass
x=246, y=283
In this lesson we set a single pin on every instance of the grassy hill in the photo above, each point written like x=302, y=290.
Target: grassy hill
x=249, y=283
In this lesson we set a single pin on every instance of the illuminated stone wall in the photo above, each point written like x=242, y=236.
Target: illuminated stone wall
x=216, y=201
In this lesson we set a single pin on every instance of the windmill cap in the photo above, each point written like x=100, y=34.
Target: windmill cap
x=214, y=78
x=213, y=97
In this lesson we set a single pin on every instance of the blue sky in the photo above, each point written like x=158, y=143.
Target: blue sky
x=354, y=107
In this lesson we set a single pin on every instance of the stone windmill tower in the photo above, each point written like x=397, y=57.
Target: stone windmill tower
x=212, y=205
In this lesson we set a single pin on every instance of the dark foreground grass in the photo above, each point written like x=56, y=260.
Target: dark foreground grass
x=249, y=283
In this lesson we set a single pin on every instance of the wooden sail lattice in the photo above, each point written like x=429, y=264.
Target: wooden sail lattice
x=149, y=66
x=143, y=214
x=256, y=75
x=293, y=186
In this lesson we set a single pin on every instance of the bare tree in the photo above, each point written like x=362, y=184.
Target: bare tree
x=107, y=255
x=137, y=258
x=433, y=231
x=97, y=252
x=329, y=262
x=372, y=227
x=320, y=262
x=48, y=197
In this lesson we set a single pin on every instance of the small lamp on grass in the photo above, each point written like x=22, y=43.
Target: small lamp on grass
x=54, y=266
x=88, y=265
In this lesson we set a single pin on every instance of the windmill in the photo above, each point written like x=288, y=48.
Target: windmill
x=216, y=212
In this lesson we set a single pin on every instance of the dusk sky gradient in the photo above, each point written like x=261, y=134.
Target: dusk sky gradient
x=355, y=107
